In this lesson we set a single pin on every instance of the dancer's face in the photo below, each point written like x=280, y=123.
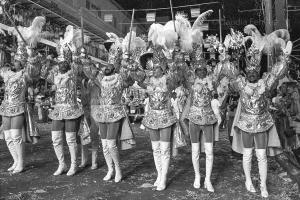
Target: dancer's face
x=252, y=76
x=158, y=72
x=64, y=67
x=17, y=66
x=201, y=73
x=109, y=70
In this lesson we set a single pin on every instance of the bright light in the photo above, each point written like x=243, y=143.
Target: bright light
x=150, y=17
x=195, y=12
x=108, y=17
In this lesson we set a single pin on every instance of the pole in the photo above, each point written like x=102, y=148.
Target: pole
x=269, y=26
x=269, y=16
x=81, y=23
x=220, y=25
x=172, y=13
x=287, y=14
x=130, y=35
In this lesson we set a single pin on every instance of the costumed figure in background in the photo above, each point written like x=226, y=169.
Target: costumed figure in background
x=67, y=113
x=234, y=43
x=89, y=95
x=254, y=125
x=285, y=110
x=16, y=114
x=110, y=113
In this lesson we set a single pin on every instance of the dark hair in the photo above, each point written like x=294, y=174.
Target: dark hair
x=216, y=95
x=199, y=69
x=65, y=64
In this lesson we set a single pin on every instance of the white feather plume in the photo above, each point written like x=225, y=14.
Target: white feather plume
x=32, y=34
x=154, y=32
x=135, y=42
x=197, y=34
x=200, y=19
x=112, y=36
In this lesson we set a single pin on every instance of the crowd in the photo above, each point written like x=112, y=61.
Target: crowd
x=183, y=93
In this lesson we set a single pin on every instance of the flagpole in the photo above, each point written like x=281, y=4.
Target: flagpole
x=81, y=23
x=130, y=35
x=172, y=13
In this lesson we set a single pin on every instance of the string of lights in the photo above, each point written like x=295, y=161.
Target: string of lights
x=156, y=9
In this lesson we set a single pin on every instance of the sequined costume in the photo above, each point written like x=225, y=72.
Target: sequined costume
x=201, y=112
x=66, y=106
x=14, y=100
x=160, y=114
x=110, y=108
x=17, y=121
x=255, y=117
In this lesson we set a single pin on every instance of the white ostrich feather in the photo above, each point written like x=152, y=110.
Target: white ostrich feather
x=33, y=33
x=200, y=19
x=154, y=32
x=196, y=32
x=135, y=42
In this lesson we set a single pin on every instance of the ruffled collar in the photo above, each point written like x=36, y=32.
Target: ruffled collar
x=110, y=81
x=201, y=82
x=158, y=84
x=61, y=79
x=255, y=88
x=13, y=76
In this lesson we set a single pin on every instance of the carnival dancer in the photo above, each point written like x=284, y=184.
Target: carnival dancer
x=254, y=125
x=16, y=114
x=160, y=84
x=110, y=113
x=67, y=113
x=198, y=108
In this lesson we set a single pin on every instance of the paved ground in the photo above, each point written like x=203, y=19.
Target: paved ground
x=37, y=181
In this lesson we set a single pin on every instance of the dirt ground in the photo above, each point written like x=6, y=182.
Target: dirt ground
x=37, y=182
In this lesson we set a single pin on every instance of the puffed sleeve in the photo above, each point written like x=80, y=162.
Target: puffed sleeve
x=277, y=72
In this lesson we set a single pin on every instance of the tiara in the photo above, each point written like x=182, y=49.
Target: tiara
x=236, y=39
x=197, y=59
x=21, y=54
x=253, y=58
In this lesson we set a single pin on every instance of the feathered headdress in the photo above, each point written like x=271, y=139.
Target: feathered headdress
x=267, y=43
x=71, y=44
x=234, y=40
x=115, y=49
x=136, y=45
x=196, y=35
x=253, y=58
x=21, y=54
x=33, y=33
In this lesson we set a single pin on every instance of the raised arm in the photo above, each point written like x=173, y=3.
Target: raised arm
x=279, y=69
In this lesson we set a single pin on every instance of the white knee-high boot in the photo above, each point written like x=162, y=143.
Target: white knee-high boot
x=157, y=160
x=165, y=160
x=247, y=161
x=113, y=150
x=71, y=141
x=208, y=147
x=16, y=135
x=84, y=156
x=94, y=159
x=108, y=160
x=196, y=164
x=11, y=148
x=57, y=140
x=262, y=160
